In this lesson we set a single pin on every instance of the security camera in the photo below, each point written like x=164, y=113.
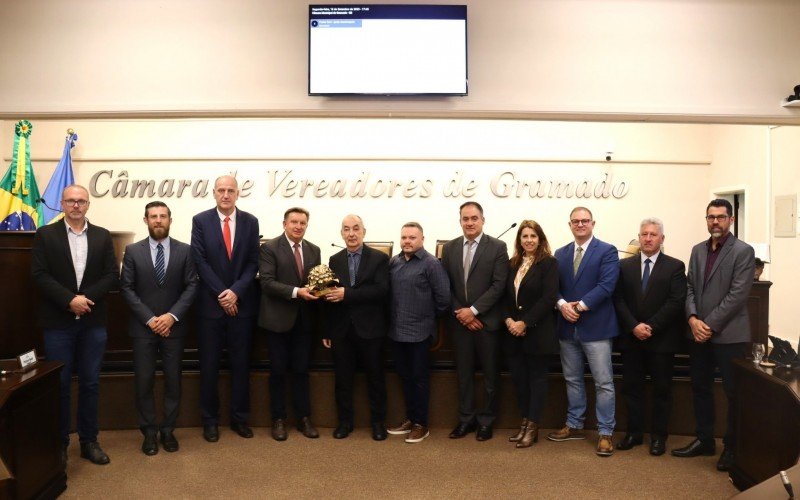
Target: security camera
x=608, y=156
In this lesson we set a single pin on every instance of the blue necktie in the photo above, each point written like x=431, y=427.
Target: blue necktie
x=160, y=270
x=646, y=274
x=353, y=268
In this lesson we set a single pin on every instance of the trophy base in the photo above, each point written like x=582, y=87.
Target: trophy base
x=321, y=292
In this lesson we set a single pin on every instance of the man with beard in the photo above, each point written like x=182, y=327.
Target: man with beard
x=159, y=283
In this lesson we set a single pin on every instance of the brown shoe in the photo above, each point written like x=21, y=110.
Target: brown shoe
x=417, y=434
x=605, y=448
x=530, y=436
x=403, y=428
x=279, y=429
x=566, y=434
x=307, y=428
x=516, y=437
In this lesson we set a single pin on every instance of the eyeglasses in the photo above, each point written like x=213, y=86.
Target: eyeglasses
x=721, y=218
x=80, y=203
x=580, y=222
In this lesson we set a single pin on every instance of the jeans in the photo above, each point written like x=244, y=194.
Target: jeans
x=412, y=362
x=81, y=349
x=598, y=353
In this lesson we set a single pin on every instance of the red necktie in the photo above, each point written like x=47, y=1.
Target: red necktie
x=298, y=259
x=226, y=235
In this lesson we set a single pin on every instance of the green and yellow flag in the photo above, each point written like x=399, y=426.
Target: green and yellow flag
x=20, y=209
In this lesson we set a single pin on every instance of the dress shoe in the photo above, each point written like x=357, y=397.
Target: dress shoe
x=516, y=437
x=403, y=428
x=725, y=461
x=242, y=429
x=567, y=433
x=93, y=453
x=307, y=428
x=605, y=447
x=484, y=433
x=169, y=442
x=695, y=449
x=658, y=445
x=530, y=436
x=629, y=441
x=378, y=431
x=211, y=433
x=462, y=429
x=150, y=444
x=279, y=429
x=418, y=433
x=342, y=431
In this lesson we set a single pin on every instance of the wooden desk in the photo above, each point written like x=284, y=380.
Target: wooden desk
x=768, y=422
x=30, y=444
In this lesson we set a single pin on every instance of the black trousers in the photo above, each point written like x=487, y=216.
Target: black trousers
x=485, y=346
x=348, y=351
x=235, y=334
x=145, y=355
x=703, y=358
x=413, y=366
x=289, y=355
x=529, y=375
x=637, y=363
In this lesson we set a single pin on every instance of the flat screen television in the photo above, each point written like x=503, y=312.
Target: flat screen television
x=387, y=50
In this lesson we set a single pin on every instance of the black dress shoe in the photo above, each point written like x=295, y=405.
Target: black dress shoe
x=342, y=431
x=211, y=433
x=150, y=444
x=658, y=445
x=695, y=449
x=725, y=461
x=93, y=453
x=378, y=431
x=169, y=442
x=307, y=428
x=462, y=429
x=629, y=441
x=242, y=430
x=484, y=433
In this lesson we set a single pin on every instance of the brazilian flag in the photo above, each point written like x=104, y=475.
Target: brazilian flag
x=19, y=195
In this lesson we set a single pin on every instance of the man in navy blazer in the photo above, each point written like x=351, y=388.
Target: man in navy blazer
x=588, y=270
x=225, y=251
x=159, y=284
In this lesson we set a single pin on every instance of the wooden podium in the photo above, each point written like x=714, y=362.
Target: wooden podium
x=30, y=442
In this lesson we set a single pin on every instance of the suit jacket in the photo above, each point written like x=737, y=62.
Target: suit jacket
x=660, y=305
x=146, y=297
x=217, y=272
x=276, y=265
x=534, y=304
x=722, y=302
x=364, y=304
x=54, y=275
x=594, y=284
x=486, y=283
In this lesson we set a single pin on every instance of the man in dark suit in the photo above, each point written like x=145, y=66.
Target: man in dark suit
x=159, y=283
x=288, y=314
x=73, y=265
x=477, y=266
x=720, y=277
x=588, y=270
x=355, y=325
x=225, y=251
x=649, y=300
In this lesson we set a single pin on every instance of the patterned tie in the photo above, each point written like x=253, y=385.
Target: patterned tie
x=646, y=274
x=353, y=268
x=467, y=263
x=298, y=260
x=577, y=262
x=226, y=235
x=161, y=272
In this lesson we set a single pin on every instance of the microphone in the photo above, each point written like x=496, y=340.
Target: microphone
x=41, y=201
x=337, y=246
x=787, y=485
x=507, y=230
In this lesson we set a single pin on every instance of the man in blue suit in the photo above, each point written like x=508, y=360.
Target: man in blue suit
x=588, y=270
x=225, y=251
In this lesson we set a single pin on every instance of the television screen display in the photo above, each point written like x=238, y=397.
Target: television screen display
x=387, y=49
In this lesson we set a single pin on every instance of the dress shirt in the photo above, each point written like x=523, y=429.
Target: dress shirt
x=79, y=249
x=477, y=241
x=356, y=262
x=585, y=247
x=712, y=255
x=231, y=224
x=420, y=291
x=291, y=247
x=652, y=258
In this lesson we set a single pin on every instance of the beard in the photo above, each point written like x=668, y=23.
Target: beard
x=158, y=233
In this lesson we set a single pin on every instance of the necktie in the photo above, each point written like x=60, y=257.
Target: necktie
x=467, y=263
x=577, y=262
x=298, y=260
x=646, y=274
x=353, y=268
x=161, y=273
x=226, y=235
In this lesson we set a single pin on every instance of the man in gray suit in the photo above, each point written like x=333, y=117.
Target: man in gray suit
x=477, y=265
x=159, y=283
x=288, y=313
x=719, y=280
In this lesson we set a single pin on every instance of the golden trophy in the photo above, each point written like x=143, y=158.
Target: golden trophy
x=321, y=280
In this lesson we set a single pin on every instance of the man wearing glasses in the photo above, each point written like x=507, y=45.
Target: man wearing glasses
x=719, y=280
x=587, y=324
x=74, y=268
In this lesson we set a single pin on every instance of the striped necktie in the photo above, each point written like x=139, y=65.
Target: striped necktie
x=161, y=272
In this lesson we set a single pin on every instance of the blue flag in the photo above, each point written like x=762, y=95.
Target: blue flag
x=61, y=178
